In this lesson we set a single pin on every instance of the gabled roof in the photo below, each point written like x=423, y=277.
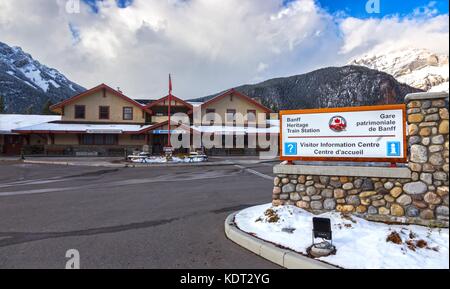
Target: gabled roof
x=161, y=124
x=163, y=99
x=95, y=89
x=237, y=93
x=144, y=101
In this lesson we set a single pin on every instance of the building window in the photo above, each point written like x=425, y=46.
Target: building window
x=231, y=114
x=210, y=115
x=138, y=137
x=80, y=111
x=99, y=139
x=127, y=113
x=103, y=112
x=251, y=115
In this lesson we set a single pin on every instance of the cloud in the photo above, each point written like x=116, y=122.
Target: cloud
x=393, y=33
x=207, y=45
x=428, y=10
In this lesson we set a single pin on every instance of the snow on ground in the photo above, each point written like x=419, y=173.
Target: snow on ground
x=161, y=160
x=360, y=244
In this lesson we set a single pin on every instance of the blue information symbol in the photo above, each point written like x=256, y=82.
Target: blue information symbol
x=393, y=149
x=290, y=149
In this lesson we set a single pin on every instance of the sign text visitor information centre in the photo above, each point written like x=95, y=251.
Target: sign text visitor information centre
x=366, y=133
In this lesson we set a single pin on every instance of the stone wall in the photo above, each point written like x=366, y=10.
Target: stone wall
x=416, y=194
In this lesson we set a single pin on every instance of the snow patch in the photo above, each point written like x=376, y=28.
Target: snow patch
x=162, y=160
x=35, y=76
x=419, y=68
x=360, y=244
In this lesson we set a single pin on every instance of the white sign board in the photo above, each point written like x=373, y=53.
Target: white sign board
x=371, y=133
x=104, y=131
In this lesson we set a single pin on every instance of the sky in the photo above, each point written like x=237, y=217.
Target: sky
x=212, y=45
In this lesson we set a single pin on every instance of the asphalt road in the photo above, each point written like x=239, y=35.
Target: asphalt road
x=171, y=217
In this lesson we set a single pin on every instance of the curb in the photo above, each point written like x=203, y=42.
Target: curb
x=138, y=165
x=283, y=257
x=74, y=164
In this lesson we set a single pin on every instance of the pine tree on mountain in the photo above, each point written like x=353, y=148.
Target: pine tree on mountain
x=29, y=110
x=46, y=108
x=2, y=105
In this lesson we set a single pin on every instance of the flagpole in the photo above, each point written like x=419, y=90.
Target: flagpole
x=170, y=104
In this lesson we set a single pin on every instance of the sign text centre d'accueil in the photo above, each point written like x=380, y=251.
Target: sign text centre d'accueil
x=370, y=133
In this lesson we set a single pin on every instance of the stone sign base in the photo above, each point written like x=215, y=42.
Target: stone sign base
x=416, y=194
x=390, y=196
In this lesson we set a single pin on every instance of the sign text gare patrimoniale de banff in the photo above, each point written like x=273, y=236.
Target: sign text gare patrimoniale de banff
x=366, y=133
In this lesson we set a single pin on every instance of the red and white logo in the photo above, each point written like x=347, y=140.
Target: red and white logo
x=338, y=123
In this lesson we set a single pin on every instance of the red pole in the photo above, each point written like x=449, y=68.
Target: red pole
x=170, y=104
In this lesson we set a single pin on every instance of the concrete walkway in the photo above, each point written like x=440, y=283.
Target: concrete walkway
x=283, y=257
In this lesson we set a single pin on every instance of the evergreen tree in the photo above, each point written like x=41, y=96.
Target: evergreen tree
x=2, y=105
x=29, y=110
x=46, y=108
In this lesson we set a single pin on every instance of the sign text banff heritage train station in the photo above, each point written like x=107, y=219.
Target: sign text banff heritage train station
x=356, y=134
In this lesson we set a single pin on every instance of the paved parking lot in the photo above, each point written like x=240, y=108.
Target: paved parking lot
x=169, y=217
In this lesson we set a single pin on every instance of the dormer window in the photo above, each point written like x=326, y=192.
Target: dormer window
x=103, y=112
x=80, y=111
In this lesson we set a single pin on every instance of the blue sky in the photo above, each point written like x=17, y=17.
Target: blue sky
x=355, y=8
x=120, y=3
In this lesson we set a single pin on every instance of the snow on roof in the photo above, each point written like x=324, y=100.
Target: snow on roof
x=9, y=122
x=236, y=129
x=195, y=103
x=80, y=127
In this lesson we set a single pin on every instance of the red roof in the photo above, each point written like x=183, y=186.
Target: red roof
x=95, y=89
x=163, y=99
x=237, y=93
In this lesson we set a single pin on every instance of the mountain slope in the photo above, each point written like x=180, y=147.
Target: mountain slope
x=418, y=68
x=328, y=87
x=26, y=85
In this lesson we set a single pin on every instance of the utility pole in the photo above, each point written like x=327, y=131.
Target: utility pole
x=169, y=110
x=168, y=149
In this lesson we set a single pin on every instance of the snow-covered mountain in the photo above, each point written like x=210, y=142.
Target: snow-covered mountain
x=418, y=68
x=328, y=87
x=27, y=85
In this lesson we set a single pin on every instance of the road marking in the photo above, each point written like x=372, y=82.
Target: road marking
x=127, y=182
x=255, y=172
x=269, y=164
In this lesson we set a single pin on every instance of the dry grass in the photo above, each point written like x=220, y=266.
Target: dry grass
x=395, y=238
